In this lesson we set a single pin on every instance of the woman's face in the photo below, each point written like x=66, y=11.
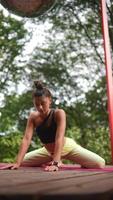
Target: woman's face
x=42, y=104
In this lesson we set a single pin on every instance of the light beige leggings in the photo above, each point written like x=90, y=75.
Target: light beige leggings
x=71, y=151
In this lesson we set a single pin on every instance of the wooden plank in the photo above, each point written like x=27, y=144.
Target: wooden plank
x=18, y=177
x=85, y=185
x=55, y=182
x=43, y=185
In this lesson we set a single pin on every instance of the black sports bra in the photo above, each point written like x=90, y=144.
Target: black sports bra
x=46, y=131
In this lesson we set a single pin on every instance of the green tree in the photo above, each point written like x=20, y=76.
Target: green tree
x=15, y=112
x=12, y=40
x=88, y=121
x=73, y=51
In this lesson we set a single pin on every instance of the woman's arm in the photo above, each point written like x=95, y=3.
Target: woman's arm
x=60, y=132
x=60, y=118
x=25, y=142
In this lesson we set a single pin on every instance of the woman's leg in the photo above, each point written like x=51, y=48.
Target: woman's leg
x=36, y=157
x=84, y=157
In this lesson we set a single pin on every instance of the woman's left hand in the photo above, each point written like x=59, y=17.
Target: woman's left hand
x=51, y=168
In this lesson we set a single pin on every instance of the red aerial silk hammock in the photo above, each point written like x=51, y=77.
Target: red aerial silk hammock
x=108, y=63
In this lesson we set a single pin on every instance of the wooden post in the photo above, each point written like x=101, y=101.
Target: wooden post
x=108, y=62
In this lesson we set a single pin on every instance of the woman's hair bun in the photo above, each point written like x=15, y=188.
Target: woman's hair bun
x=40, y=90
x=39, y=85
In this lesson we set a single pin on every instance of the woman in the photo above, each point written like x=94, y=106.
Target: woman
x=50, y=125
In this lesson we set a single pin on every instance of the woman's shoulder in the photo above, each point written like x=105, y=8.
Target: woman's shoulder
x=33, y=115
x=59, y=112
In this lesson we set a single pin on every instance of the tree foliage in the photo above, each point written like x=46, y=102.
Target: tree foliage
x=73, y=52
x=12, y=34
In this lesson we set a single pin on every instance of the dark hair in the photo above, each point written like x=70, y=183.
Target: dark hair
x=41, y=90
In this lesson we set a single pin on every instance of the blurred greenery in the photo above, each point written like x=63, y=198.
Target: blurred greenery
x=70, y=62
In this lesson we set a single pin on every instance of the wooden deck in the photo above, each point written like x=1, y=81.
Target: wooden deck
x=36, y=184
